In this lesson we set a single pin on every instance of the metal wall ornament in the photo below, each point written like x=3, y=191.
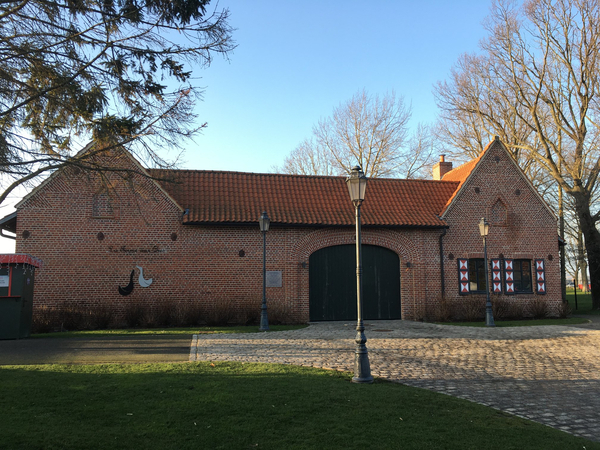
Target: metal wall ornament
x=141, y=280
x=129, y=288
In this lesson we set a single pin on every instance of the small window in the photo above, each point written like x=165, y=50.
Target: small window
x=102, y=207
x=477, y=275
x=522, y=275
x=471, y=276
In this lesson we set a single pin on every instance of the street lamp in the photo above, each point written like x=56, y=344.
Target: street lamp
x=263, y=223
x=357, y=183
x=484, y=229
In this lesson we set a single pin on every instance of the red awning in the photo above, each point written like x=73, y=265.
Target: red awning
x=20, y=258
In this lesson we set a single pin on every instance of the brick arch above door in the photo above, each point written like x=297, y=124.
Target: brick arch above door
x=403, y=243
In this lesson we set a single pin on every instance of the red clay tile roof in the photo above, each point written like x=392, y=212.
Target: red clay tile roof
x=461, y=172
x=234, y=197
x=460, y=175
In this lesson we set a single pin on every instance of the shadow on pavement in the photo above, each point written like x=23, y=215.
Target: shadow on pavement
x=95, y=350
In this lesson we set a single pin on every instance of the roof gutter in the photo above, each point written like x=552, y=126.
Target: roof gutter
x=9, y=223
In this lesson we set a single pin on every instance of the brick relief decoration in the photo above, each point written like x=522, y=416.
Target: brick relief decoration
x=102, y=207
x=498, y=213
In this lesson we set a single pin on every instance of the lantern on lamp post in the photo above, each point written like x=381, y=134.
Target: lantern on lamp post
x=264, y=222
x=484, y=229
x=357, y=184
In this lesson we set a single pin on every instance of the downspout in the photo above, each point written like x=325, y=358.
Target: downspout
x=442, y=282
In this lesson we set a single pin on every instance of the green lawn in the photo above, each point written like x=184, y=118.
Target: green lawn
x=243, y=406
x=164, y=331
x=584, y=303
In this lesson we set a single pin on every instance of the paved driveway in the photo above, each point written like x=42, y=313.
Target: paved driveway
x=547, y=374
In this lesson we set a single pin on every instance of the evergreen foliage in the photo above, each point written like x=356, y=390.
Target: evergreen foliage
x=115, y=72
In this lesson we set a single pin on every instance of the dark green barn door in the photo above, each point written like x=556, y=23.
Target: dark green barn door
x=332, y=283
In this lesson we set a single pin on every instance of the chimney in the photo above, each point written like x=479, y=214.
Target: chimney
x=442, y=168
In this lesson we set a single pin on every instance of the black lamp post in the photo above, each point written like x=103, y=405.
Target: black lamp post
x=484, y=229
x=264, y=223
x=357, y=183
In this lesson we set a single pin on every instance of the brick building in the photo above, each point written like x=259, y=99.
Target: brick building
x=193, y=236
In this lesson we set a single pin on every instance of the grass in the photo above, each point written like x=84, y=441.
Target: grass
x=584, y=303
x=243, y=406
x=520, y=323
x=166, y=331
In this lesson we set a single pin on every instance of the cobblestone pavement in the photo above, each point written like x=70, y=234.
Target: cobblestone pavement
x=548, y=374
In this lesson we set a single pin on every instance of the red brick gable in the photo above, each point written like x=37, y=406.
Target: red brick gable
x=464, y=172
x=234, y=197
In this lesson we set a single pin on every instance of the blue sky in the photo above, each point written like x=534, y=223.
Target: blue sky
x=296, y=61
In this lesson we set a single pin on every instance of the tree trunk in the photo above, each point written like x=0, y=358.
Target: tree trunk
x=581, y=262
x=592, y=244
x=561, y=231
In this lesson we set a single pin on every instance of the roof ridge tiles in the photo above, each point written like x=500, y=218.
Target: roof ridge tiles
x=214, y=196
x=292, y=175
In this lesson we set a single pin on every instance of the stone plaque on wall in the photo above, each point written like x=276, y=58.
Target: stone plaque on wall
x=274, y=278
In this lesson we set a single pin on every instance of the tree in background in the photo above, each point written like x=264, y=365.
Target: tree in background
x=367, y=130
x=309, y=159
x=536, y=84
x=115, y=72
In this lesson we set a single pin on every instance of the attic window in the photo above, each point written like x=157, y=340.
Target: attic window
x=102, y=207
x=498, y=214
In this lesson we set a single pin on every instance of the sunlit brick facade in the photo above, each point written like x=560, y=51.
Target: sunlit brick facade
x=91, y=235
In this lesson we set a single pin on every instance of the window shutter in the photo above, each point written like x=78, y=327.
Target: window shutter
x=463, y=276
x=540, y=276
x=509, y=279
x=496, y=276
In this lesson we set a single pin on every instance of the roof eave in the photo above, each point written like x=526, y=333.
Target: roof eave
x=317, y=225
x=9, y=223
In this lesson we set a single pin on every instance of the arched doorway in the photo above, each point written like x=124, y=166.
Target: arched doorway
x=332, y=283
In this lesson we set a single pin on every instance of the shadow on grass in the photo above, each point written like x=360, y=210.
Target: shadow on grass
x=583, y=303
x=166, y=331
x=236, y=406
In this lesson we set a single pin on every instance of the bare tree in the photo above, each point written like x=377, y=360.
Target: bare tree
x=309, y=159
x=536, y=83
x=417, y=160
x=366, y=130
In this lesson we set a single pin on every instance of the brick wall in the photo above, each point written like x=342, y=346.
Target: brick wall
x=90, y=238
x=521, y=225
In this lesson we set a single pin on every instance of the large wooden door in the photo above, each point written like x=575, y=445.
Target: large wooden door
x=332, y=283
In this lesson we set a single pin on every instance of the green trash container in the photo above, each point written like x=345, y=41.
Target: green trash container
x=17, y=273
